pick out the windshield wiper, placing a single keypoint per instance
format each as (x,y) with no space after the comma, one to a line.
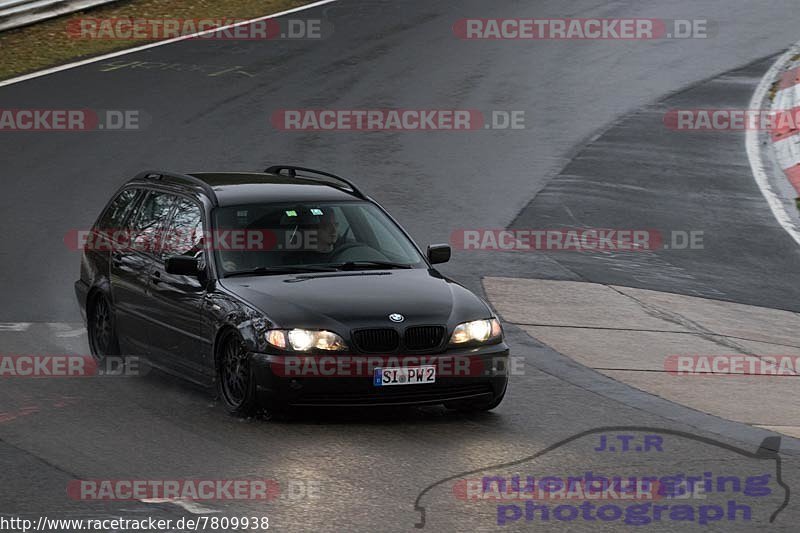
(359,265)
(266,271)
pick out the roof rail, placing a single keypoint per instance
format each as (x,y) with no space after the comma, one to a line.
(276,169)
(160,174)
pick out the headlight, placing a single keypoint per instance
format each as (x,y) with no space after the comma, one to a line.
(478,331)
(303,340)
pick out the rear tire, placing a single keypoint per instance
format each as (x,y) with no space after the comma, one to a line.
(235,383)
(101,328)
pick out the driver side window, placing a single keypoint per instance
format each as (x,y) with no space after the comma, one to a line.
(149,223)
(185,234)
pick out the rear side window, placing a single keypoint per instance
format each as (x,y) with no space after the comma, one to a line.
(150,219)
(119,208)
(185,235)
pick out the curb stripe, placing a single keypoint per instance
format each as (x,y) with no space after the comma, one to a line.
(786,139)
(790,78)
(787,150)
(785,98)
(758,165)
(788,123)
(793,174)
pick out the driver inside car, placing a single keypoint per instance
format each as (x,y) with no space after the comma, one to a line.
(310,238)
(315,238)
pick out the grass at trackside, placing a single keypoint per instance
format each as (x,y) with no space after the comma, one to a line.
(46,44)
(773,90)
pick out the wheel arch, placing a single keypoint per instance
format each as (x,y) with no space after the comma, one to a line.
(103,288)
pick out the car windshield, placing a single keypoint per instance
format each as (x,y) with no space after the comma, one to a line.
(284,238)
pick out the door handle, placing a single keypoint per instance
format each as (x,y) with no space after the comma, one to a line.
(116,258)
(156,277)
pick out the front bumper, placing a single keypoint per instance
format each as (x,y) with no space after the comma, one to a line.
(347,380)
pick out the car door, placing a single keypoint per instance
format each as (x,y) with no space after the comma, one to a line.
(179,339)
(132,264)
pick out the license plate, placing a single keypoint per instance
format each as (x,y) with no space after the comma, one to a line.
(412,375)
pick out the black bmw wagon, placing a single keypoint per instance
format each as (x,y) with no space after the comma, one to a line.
(284,288)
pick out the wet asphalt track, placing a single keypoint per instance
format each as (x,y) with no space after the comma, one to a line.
(372,466)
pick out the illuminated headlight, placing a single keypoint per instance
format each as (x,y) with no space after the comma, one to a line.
(477,331)
(303,340)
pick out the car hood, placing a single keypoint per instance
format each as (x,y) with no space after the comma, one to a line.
(341,301)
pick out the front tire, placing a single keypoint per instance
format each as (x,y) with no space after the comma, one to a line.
(235,382)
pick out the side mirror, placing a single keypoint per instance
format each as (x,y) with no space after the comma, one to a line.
(438,253)
(182,265)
